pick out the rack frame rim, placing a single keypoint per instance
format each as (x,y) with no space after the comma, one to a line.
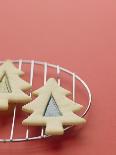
(59,68)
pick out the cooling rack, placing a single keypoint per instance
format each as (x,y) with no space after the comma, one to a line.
(58,69)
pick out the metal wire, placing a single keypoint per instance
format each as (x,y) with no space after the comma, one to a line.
(14,113)
(31,82)
(58,69)
(45,79)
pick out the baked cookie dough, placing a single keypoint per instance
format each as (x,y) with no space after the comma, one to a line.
(52,109)
(12,86)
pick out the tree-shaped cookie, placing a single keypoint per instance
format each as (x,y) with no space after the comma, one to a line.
(12,86)
(52,109)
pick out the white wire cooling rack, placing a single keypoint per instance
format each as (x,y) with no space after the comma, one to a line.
(46,66)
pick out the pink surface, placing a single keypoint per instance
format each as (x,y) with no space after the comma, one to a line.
(81,36)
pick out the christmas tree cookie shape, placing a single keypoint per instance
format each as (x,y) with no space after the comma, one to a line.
(12,86)
(41,117)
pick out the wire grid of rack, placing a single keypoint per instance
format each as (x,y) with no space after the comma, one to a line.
(58,69)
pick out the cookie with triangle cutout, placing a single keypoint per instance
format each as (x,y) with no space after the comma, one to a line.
(12,87)
(52,108)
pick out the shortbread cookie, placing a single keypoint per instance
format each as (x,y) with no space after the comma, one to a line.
(52,109)
(12,86)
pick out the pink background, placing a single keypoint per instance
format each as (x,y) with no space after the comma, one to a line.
(81,36)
